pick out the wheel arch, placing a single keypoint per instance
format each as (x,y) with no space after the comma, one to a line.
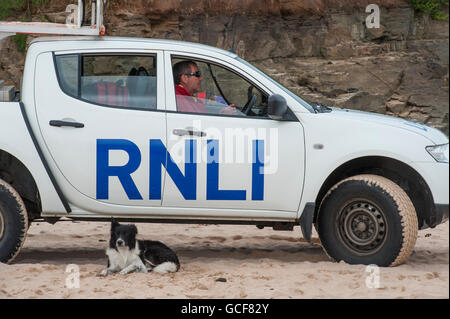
(15,173)
(402,174)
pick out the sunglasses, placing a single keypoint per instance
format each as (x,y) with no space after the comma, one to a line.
(196,74)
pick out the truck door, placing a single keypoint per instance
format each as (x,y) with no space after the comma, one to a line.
(97,114)
(222,157)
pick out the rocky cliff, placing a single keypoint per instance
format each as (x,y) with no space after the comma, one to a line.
(321,49)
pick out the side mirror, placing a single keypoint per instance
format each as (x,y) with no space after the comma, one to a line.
(277,107)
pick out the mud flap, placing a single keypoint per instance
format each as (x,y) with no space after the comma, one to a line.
(306,220)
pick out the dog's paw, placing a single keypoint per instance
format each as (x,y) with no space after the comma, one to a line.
(103,273)
(124,272)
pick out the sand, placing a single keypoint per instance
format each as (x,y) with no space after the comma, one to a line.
(217,262)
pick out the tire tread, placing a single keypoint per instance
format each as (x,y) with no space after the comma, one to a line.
(406,211)
(23,219)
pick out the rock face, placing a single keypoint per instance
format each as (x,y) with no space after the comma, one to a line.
(320,49)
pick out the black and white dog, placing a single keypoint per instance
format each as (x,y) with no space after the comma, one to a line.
(127,254)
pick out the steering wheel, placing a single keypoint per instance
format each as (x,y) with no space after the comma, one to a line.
(250,104)
(249,98)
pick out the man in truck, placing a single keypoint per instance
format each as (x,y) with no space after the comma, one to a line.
(188,79)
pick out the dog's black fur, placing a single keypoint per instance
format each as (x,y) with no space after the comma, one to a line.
(126,253)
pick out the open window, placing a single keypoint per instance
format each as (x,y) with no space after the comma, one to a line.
(219,88)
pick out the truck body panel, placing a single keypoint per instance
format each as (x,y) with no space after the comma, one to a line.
(20,145)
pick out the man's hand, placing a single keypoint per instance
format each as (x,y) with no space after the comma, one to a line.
(229,110)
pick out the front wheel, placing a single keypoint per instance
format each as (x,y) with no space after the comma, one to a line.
(367,219)
(13,222)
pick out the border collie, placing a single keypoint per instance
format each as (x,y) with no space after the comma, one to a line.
(127,254)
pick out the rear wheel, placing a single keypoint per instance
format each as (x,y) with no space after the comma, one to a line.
(13,222)
(367,219)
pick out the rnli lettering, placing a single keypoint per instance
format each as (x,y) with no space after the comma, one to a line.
(186,183)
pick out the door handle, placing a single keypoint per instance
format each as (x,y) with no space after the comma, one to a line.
(183,132)
(66,123)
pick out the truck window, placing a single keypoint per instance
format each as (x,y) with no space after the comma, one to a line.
(110,80)
(67,66)
(214,89)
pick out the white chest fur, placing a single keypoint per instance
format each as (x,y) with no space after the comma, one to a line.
(123,256)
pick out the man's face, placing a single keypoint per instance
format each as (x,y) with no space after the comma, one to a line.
(191,82)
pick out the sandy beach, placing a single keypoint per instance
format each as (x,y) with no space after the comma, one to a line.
(217,262)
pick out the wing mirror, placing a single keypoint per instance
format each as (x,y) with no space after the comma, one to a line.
(277,107)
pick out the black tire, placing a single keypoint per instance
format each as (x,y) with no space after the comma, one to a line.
(13,222)
(367,219)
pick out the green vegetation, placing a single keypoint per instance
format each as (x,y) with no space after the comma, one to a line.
(7,7)
(21,42)
(432,7)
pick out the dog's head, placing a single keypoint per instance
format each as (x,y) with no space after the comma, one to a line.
(122,236)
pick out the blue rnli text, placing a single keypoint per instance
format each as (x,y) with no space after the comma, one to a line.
(186,183)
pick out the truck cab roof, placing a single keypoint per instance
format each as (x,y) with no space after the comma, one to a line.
(61,42)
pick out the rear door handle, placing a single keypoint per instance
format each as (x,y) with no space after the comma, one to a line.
(66,123)
(183,132)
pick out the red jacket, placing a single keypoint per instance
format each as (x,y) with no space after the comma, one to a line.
(186,102)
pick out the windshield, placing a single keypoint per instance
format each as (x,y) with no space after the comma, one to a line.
(290,93)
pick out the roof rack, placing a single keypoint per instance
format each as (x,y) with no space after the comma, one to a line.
(74,27)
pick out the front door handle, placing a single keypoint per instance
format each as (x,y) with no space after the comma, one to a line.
(183,132)
(66,123)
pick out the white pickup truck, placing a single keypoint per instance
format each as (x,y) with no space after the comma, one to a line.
(101,131)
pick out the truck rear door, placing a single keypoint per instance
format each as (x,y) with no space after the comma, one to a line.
(97,113)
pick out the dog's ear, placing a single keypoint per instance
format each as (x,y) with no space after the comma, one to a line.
(134,229)
(114,224)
